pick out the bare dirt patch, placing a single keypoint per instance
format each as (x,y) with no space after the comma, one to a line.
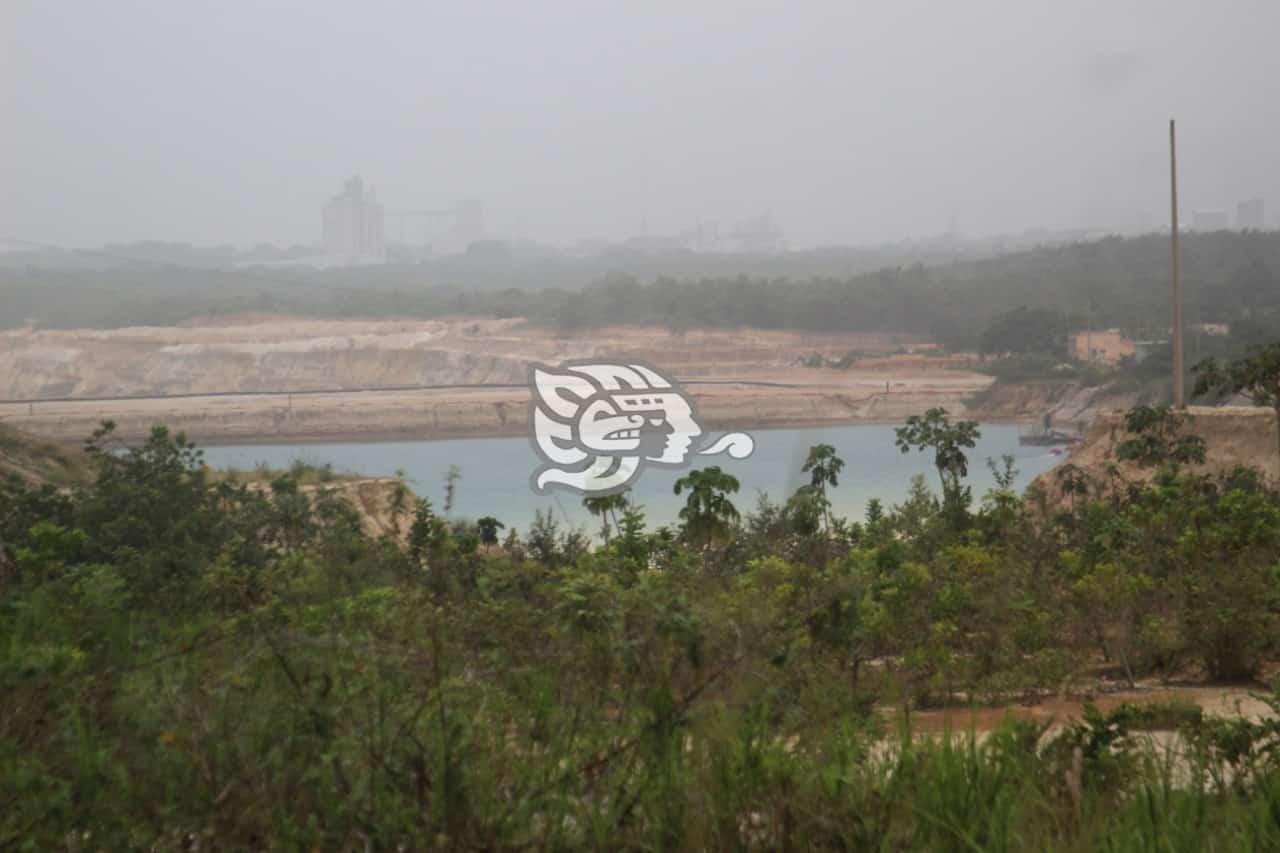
(228,370)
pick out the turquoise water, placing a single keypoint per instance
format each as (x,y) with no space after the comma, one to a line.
(495,471)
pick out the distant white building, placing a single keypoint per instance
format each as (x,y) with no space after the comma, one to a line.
(1251,215)
(353,223)
(1210,220)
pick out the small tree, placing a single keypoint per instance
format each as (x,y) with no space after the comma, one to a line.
(1074,482)
(543,539)
(398,502)
(428,535)
(632,541)
(805,511)
(824,468)
(1257,374)
(489,527)
(451,479)
(708,513)
(606,508)
(1157,438)
(150,510)
(934,430)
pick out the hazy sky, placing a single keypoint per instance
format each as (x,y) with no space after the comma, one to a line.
(851,122)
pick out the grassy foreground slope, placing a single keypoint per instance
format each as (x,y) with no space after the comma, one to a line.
(23,455)
(218,665)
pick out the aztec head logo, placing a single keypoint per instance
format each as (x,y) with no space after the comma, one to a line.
(596,425)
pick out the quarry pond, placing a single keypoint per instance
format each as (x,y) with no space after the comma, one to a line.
(495,471)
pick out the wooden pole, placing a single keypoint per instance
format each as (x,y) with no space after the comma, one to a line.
(1179,401)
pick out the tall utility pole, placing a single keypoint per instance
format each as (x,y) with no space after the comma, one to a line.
(1179,401)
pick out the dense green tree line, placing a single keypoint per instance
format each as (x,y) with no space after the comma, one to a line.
(188,661)
(1228,276)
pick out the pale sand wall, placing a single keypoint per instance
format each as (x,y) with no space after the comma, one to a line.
(456,414)
(1233,435)
(270,354)
(296,354)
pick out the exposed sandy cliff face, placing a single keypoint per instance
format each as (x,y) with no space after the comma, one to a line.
(739,377)
(412,415)
(258,354)
(255,356)
(1233,435)
(372,499)
(1071,406)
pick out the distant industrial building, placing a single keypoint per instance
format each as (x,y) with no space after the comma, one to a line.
(760,235)
(444,230)
(1210,220)
(1251,215)
(468,222)
(353,226)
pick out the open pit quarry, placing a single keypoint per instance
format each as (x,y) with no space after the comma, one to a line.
(267,379)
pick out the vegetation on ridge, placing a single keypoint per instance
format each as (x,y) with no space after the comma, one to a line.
(1227,277)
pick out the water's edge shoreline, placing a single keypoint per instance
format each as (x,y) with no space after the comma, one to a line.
(521,431)
(230,421)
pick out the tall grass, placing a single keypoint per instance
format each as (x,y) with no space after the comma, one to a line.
(343,735)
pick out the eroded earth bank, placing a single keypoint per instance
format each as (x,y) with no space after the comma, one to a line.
(265,378)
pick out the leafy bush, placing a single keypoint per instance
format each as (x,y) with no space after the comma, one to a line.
(192,663)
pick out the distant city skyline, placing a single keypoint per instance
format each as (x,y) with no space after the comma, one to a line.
(348,231)
(707,237)
(849,124)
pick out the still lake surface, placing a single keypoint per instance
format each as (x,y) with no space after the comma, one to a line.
(495,471)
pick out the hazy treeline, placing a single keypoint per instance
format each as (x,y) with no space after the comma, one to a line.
(497,263)
(1112,282)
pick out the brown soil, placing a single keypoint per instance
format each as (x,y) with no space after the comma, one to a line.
(1233,435)
(1070,407)
(1226,701)
(371,498)
(257,354)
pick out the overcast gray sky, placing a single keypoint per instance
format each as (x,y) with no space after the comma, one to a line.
(851,122)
